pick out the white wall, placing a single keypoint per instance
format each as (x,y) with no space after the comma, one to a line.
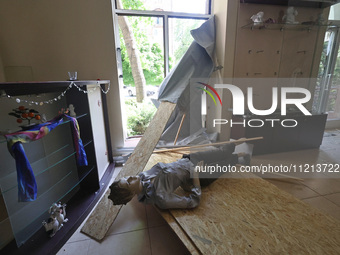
(2,74)
(44,39)
(334,13)
(226,13)
(54,37)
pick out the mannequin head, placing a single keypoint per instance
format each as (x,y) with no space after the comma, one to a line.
(123,190)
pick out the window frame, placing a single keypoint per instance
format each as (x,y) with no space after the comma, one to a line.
(165,15)
(326,81)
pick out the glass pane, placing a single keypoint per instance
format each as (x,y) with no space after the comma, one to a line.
(180,37)
(318,93)
(327,91)
(187,6)
(53,163)
(146,34)
(333,106)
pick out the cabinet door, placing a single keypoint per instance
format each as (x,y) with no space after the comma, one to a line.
(311,131)
(297,53)
(257,53)
(99,137)
(237,132)
(284,138)
(266,131)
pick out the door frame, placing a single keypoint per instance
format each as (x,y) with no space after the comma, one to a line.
(327,78)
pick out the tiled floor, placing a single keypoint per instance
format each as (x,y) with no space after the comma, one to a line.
(321,192)
(139,229)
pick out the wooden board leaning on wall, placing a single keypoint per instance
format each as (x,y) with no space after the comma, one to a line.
(105,212)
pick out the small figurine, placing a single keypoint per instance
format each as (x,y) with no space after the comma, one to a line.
(51,226)
(43,118)
(72,112)
(257,18)
(59,211)
(57,218)
(289,17)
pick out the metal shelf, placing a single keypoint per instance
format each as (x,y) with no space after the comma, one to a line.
(23,227)
(3,140)
(9,181)
(297,3)
(285,26)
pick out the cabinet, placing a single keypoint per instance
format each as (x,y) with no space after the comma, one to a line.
(277,55)
(53,160)
(307,134)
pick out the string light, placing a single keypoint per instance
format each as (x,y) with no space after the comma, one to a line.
(59,97)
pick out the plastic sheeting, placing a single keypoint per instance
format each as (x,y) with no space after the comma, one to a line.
(197,63)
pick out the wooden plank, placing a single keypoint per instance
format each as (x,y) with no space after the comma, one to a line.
(168,157)
(242,140)
(140,156)
(251,216)
(179,232)
(105,212)
(179,129)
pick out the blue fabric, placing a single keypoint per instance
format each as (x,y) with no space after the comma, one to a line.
(27,186)
(80,151)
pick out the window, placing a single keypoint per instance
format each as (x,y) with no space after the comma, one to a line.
(160,31)
(180,37)
(184,6)
(327,91)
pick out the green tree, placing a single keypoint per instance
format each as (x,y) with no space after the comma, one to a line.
(139,116)
(150,53)
(151,57)
(182,36)
(133,55)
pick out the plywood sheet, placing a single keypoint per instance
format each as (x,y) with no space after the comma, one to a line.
(168,157)
(251,216)
(101,218)
(179,232)
(140,156)
(105,212)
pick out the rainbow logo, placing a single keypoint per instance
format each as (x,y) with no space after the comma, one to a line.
(209,93)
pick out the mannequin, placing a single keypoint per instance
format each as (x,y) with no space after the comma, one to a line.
(157,186)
